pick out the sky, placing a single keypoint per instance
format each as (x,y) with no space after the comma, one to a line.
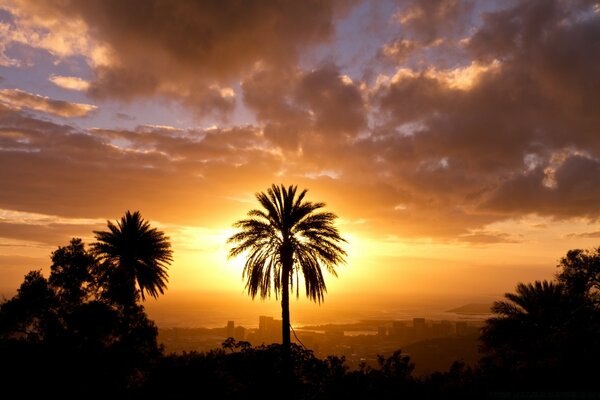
(457,141)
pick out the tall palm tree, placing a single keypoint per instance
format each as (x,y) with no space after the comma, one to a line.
(130,253)
(285,239)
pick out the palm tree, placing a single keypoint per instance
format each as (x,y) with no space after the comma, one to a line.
(542,335)
(536,301)
(285,239)
(528,323)
(132,252)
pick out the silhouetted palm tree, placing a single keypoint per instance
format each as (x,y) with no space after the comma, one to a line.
(132,252)
(285,239)
(542,336)
(536,301)
(527,323)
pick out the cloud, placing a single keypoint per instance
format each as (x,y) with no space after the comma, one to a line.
(171,175)
(510,130)
(429,20)
(592,235)
(484,237)
(20,99)
(575,192)
(488,136)
(186,50)
(317,107)
(69,82)
(32,25)
(46,234)
(398,50)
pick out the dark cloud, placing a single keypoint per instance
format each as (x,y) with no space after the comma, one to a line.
(553,43)
(484,137)
(191,50)
(316,107)
(574,191)
(334,100)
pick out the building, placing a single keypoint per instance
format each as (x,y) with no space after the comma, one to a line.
(239,333)
(264,323)
(230,329)
(269,329)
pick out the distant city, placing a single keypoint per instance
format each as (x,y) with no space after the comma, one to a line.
(430,343)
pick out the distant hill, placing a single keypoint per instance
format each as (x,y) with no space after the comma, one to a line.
(439,354)
(472,309)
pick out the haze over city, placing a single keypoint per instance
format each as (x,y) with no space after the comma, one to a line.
(455,140)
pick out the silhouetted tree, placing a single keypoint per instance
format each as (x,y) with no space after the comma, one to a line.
(239,371)
(72,273)
(581,275)
(542,337)
(285,239)
(31,314)
(533,311)
(132,252)
(66,333)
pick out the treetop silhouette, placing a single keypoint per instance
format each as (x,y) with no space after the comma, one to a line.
(131,252)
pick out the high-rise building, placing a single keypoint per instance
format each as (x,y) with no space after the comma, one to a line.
(269,329)
(239,333)
(264,323)
(275,330)
(399,329)
(230,329)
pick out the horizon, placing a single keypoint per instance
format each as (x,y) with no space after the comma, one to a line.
(212,309)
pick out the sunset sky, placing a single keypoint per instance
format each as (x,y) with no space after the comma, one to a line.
(457,141)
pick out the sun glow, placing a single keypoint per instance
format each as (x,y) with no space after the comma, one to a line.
(202,261)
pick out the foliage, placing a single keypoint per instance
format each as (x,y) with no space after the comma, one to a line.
(257,372)
(73,273)
(544,336)
(581,274)
(130,253)
(71,333)
(290,227)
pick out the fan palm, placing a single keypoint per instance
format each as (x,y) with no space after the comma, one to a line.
(131,252)
(535,310)
(283,240)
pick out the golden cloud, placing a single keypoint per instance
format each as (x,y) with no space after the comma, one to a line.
(69,82)
(20,99)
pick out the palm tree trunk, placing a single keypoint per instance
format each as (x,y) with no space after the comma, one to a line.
(285,308)
(285,326)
